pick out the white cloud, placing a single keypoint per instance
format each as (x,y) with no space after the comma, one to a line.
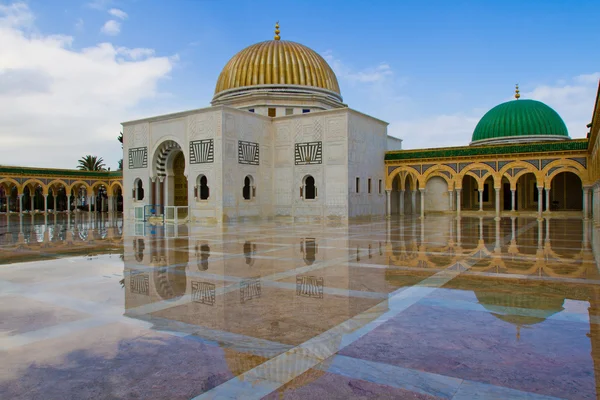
(111,27)
(115,12)
(58,103)
(99,4)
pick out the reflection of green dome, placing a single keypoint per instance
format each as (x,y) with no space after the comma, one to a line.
(520,120)
(495,302)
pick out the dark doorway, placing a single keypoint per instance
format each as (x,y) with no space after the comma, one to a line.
(507,196)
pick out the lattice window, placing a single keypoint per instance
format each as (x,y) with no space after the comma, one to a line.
(202,151)
(138,157)
(248,153)
(309,153)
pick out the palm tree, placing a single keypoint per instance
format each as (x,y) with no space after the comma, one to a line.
(91,163)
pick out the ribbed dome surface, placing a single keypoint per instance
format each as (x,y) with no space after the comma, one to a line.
(277,62)
(519,118)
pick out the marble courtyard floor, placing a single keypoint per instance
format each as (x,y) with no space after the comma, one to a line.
(94,307)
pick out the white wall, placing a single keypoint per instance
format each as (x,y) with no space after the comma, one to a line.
(367,143)
(436,195)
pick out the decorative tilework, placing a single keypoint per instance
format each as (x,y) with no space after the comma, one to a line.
(547,161)
(501,164)
(203,292)
(416,167)
(309,153)
(454,166)
(425,167)
(535,163)
(248,153)
(202,151)
(462,166)
(491,164)
(580,160)
(138,157)
(466,151)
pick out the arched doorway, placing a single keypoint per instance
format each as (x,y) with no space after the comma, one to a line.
(180,198)
(527,195)
(566,192)
(470,193)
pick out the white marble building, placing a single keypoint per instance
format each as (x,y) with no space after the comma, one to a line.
(277,141)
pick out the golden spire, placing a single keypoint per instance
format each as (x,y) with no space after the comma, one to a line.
(277,37)
(517,95)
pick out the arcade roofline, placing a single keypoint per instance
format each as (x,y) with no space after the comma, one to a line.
(474,151)
(28,171)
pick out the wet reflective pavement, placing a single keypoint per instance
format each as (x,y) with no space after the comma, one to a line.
(94,307)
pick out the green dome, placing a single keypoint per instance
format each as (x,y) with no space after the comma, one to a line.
(520,120)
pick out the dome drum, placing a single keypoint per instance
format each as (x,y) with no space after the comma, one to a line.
(279,94)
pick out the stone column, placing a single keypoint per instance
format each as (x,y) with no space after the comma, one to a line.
(388,204)
(55,205)
(111,205)
(20,196)
(413,201)
(69,202)
(102,208)
(540,201)
(450,200)
(480,200)
(402,202)
(586,201)
(31,201)
(422,190)
(8,204)
(512,199)
(458,202)
(45,203)
(89,201)
(548,199)
(497,190)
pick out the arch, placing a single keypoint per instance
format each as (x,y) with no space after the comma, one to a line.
(436,193)
(12,181)
(57,182)
(113,185)
(31,181)
(80,183)
(138,190)
(527,168)
(565,163)
(202,189)
(98,183)
(538,179)
(477,166)
(548,178)
(160,153)
(248,190)
(309,188)
(567,193)
(390,178)
(437,170)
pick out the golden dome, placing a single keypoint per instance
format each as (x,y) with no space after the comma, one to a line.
(277,62)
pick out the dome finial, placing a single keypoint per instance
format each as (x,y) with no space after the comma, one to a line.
(277,37)
(517,95)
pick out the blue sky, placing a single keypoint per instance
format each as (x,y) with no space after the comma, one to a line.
(430,68)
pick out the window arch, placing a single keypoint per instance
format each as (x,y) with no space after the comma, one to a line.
(202,191)
(138,190)
(308,189)
(248,191)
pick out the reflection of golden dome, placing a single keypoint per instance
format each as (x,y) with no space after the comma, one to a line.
(277,62)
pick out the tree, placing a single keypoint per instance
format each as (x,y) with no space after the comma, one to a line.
(120,139)
(91,163)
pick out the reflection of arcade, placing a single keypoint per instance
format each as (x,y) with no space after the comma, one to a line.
(34,237)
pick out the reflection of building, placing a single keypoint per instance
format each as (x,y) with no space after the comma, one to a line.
(35,237)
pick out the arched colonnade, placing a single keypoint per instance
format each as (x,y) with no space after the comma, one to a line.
(59,195)
(560,185)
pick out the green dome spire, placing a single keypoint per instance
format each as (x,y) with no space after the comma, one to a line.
(520,120)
